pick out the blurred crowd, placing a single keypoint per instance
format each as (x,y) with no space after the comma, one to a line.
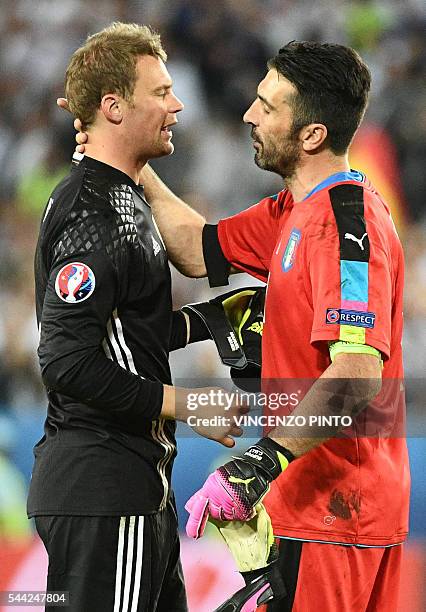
(217,54)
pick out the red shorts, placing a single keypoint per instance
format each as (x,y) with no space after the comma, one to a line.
(335,578)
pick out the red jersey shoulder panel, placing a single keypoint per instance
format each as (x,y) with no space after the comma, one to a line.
(248,238)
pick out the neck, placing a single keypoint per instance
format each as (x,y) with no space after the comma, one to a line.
(105,148)
(313,171)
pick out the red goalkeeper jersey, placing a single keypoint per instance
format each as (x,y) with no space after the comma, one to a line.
(334,267)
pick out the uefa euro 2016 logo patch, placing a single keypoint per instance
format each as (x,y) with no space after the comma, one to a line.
(358,318)
(75,282)
(290,250)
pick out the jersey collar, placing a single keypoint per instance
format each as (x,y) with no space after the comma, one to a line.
(338,177)
(113,174)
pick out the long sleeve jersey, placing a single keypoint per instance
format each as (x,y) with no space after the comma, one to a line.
(104,310)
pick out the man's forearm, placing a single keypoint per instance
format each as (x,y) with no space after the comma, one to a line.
(344,389)
(175,401)
(181,226)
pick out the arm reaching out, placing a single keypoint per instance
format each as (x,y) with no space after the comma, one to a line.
(180,225)
(226,409)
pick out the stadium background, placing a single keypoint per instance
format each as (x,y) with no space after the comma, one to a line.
(217,51)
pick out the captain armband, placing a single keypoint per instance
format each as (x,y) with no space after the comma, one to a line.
(341,346)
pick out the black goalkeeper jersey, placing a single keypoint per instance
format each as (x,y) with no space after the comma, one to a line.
(104,309)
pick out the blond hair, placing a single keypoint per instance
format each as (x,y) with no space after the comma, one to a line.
(106,63)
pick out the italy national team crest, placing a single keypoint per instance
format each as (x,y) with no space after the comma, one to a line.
(75,282)
(290,250)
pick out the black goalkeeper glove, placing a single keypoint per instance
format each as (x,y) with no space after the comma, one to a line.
(250,332)
(234,320)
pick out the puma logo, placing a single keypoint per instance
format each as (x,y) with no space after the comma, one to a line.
(355,239)
(245,482)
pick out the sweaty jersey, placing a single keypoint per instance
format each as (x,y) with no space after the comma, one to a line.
(334,267)
(103,300)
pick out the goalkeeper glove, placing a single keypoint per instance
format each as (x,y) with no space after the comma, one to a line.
(233,490)
(250,332)
(234,321)
(253,547)
(251,542)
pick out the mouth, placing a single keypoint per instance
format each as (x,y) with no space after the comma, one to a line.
(256,142)
(166,129)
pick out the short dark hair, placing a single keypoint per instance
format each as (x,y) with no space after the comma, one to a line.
(332,83)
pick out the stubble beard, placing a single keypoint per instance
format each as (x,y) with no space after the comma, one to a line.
(161,149)
(282,159)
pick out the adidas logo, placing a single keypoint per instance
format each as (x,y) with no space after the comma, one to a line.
(155,246)
(256,327)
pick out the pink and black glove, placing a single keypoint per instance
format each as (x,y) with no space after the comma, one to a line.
(233,490)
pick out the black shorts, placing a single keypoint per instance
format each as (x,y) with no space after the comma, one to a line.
(115,564)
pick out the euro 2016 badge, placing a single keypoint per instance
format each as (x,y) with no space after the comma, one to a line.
(290,250)
(75,282)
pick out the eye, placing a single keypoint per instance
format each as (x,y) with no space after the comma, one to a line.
(163,93)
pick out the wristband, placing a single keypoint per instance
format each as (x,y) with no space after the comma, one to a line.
(269,456)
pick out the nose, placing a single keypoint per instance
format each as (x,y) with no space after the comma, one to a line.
(250,115)
(176,104)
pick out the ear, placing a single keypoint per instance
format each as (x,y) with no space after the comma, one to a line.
(312,136)
(111,107)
